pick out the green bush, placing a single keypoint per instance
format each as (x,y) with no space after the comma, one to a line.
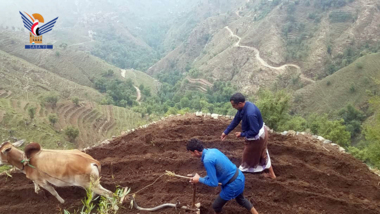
(51,99)
(359,65)
(75,101)
(72,133)
(274,107)
(32,112)
(53,118)
(334,130)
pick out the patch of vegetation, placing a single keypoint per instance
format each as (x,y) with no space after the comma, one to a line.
(72,133)
(121,51)
(16,125)
(340,16)
(353,119)
(263,8)
(368,149)
(105,206)
(50,99)
(119,93)
(350,55)
(295,35)
(175,97)
(327,4)
(275,107)
(53,119)
(75,101)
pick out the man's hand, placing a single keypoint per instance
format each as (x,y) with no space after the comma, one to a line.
(238,134)
(195,179)
(223,136)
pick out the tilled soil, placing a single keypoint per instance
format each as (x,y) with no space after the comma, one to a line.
(312,178)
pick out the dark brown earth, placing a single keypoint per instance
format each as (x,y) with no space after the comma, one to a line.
(311,180)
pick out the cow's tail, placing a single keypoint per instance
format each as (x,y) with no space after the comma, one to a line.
(95,170)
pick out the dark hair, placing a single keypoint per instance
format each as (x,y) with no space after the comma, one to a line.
(194,144)
(237,98)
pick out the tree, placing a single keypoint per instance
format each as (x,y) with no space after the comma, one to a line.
(352,119)
(100,85)
(296,123)
(185,102)
(172,110)
(53,118)
(51,99)
(334,130)
(72,133)
(32,112)
(108,73)
(274,107)
(372,134)
(146,92)
(76,101)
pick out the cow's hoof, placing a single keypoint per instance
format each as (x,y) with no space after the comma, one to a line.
(62,201)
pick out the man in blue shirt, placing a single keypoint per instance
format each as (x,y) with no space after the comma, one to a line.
(220,171)
(255,156)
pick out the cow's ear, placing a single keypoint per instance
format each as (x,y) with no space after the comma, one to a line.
(5,151)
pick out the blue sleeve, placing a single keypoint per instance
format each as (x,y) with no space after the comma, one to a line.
(254,126)
(210,179)
(233,124)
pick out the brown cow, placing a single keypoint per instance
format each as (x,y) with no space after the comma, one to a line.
(58,167)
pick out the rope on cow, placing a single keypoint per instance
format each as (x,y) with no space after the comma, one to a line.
(26,162)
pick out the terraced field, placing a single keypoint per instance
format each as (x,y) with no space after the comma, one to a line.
(199,84)
(312,177)
(95,122)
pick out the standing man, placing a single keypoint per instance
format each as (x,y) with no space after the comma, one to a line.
(255,156)
(220,170)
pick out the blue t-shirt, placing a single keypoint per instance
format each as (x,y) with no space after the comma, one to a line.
(251,118)
(220,170)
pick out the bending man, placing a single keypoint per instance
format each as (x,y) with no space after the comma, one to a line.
(255,156)
(220,170)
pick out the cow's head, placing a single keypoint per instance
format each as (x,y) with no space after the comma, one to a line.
(5,148)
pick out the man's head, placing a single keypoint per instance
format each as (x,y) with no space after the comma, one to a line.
(237,101)
(195,147)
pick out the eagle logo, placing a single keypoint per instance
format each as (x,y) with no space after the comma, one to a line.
(33,25)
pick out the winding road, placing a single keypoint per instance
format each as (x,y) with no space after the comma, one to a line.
(264,63)
(123,72)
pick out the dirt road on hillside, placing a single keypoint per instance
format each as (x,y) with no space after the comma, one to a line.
(123,72)
(263,62)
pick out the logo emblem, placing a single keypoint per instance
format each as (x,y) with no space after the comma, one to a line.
(36,31)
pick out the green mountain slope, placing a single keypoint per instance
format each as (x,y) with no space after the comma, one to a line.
(349,85)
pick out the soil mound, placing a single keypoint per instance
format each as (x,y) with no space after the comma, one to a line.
(311,179)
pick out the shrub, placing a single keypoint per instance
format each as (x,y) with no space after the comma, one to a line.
(76,101)
(32,112)
(53,118)
(359,65)
(51,99)
(72,133)
(352,88)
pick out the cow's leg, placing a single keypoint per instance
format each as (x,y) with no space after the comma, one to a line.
(36,187)
(102,191)
(50,188)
